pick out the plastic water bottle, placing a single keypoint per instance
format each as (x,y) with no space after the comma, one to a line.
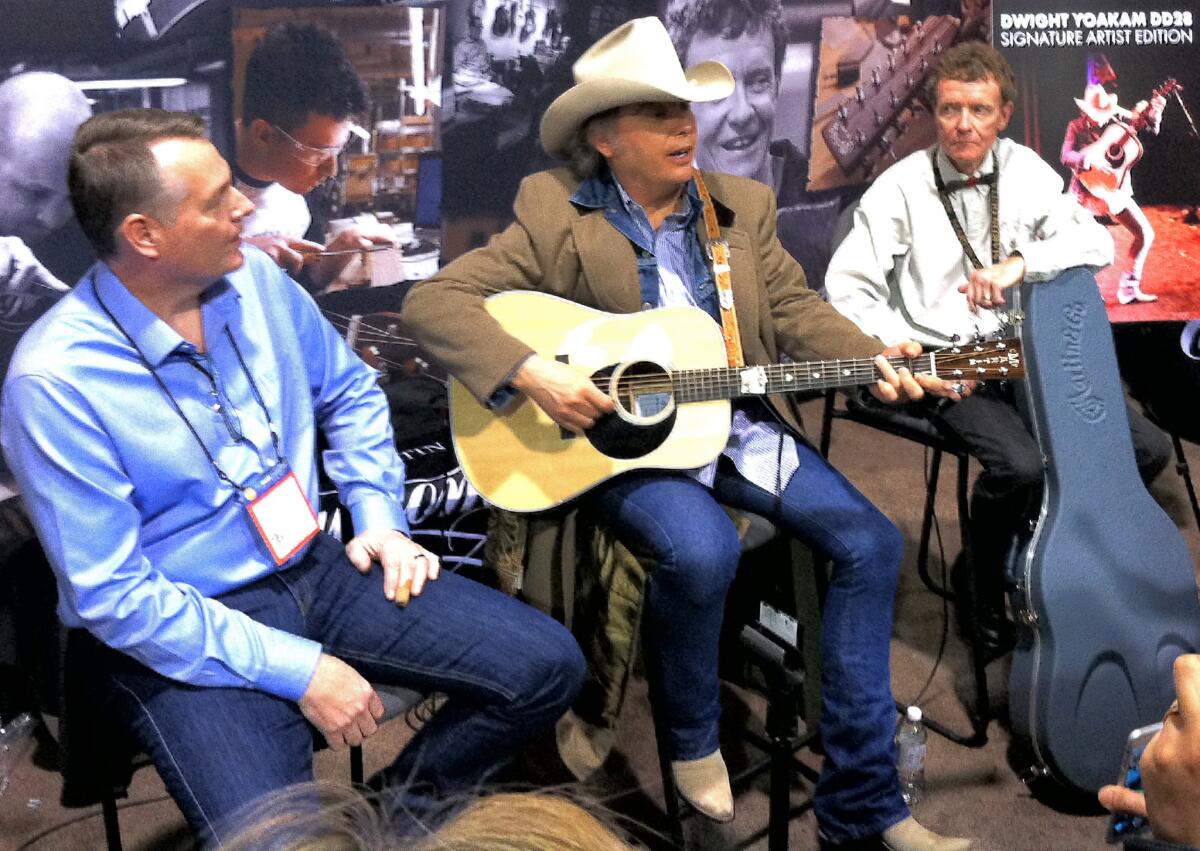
(911,739)
(15,738)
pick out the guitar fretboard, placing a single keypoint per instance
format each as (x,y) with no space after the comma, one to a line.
(701,385)
(704,385)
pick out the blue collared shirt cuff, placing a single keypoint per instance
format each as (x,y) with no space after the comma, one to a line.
(505,393)
(291,663)
(378,512)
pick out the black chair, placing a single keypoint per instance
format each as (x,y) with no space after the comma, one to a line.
(96,760)
(99,760)
(910,426)
(1159,366)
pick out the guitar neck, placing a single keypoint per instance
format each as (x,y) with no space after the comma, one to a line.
(703,385)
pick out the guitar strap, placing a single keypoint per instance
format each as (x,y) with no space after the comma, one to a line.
(718,254)
(993,180)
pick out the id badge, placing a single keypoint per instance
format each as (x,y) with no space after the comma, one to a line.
(281,514)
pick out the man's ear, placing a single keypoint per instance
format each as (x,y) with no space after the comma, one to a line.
(261,130)
(601,138)
(140,232)
(1006,112)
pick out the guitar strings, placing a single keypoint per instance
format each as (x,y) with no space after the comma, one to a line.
(693,384)
(821,374)
(373,334)
(342,322)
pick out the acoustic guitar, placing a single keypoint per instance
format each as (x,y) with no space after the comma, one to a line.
(1108,160)
(666,371)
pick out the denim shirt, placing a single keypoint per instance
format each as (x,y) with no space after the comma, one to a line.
(673,271)
(673,252)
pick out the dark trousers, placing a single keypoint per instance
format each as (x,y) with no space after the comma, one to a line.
(1009,486)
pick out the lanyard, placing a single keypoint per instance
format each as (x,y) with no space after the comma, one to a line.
(718,252)
(993,207)
(235,432)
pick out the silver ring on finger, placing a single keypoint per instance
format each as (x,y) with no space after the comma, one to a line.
(958,387)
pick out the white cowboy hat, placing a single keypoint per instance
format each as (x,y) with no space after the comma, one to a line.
(634,63)
(1097,104)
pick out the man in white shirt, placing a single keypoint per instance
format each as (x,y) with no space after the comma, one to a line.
(301,92)
(934,245)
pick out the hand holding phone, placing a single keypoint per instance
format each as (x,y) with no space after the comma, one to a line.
(1124,824)
(1169,767)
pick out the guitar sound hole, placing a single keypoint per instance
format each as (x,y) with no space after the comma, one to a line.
(643,395)
(643,390)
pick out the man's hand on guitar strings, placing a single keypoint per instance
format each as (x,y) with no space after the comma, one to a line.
(902,385)
(568,397)
(407,566)
(985,287)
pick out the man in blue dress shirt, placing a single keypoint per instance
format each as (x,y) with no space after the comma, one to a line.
(161,421)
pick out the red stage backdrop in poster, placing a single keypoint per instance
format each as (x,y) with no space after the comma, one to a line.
(1108,93)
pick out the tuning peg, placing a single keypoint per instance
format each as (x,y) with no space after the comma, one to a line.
(843,113)
(893,99)
(859,95)
(891,60)
(875,80)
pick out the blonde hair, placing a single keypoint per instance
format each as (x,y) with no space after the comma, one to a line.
(528,821)
(323,816)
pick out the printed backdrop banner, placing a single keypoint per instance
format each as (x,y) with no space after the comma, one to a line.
(1090,78)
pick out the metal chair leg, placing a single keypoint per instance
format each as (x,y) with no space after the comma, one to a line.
(935,467)
(662,740)
(981,714)
(1181,467)
(112,825)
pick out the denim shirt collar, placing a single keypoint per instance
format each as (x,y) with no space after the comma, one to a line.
(154,338)
(604,191)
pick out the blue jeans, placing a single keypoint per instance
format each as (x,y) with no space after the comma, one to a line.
(679,524)
(509,671)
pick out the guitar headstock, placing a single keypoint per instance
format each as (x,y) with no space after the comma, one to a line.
(1169,85)
(990,359)
(870,119)
(863,122)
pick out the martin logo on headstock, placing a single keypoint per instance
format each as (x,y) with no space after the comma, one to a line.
(869,121)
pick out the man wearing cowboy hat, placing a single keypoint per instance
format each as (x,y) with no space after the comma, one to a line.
(622,229)
(945,232)
(1098,108)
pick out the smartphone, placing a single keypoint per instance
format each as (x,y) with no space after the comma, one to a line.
(1121,826)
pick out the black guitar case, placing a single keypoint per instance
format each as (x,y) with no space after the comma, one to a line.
(1105,590)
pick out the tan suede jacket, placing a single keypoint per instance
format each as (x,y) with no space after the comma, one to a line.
(573,252)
